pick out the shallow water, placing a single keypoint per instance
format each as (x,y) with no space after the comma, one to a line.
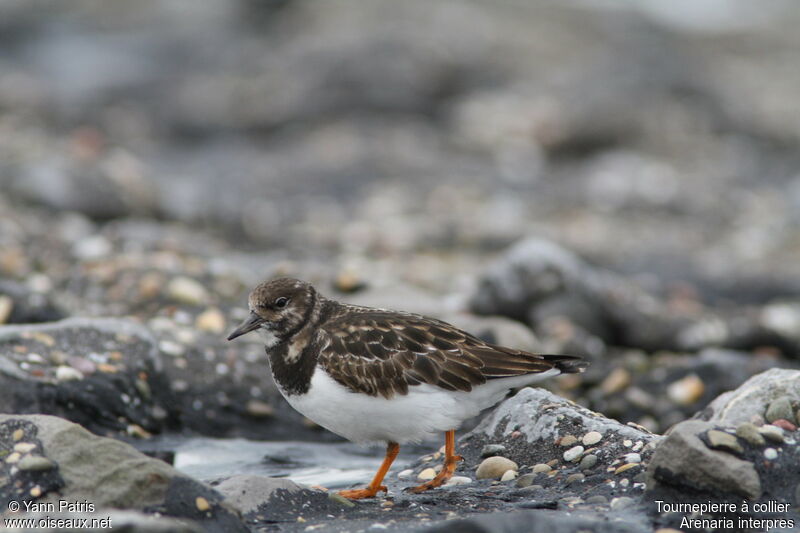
(332,465)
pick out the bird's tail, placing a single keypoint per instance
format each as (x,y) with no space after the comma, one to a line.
(567,364)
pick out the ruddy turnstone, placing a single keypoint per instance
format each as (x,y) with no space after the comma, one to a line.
(376,375)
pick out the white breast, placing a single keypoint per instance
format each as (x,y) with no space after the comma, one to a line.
(425,412)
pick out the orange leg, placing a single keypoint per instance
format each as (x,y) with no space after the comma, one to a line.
(450,462)
(375,486)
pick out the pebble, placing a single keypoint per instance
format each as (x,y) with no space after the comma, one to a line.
(540,467)
(492,449)
(720,440)
(771,453)
(495,467)
(187,291)
(573,453)
(621,502)
(597,499)
(772,433)
(67,373)
(632,458)
(593,437)
(24,447)
(405,474)
(36,491)
(784,424)
(627,443)
(567,440)
(588,461)
(749,433)
(35,463)
(625,467)
(427,474)
(259,409)
(338,498)
(617,380)
(687,390)
(6,306)
(17,435)
(459,480)
(211,320)
(171,348)
(508,475)
(780,408)
(574,477)
(525,480)
(202,504)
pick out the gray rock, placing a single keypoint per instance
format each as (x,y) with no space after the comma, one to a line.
(526,480)
(247,492)
(753,397)
(492,449)
(35,463)
(780,408)
(588,461)
(106,472)
(682,459)
(720,440)
(749,432)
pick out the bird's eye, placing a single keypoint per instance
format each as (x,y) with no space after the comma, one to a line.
(281,302)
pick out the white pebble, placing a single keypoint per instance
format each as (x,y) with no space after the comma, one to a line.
(67,373)
(186,290)
(593,437)
(24,447)
(509,475)
(405,474)
(573,453)
(171,348)
(632,458)
(459,480)
(427,474)
(771,453)
(627,443)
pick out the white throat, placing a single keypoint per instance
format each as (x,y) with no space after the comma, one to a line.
(270,340)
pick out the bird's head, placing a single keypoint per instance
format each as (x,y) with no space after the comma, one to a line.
(278,309)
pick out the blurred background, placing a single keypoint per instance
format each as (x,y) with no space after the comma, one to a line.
(612,178)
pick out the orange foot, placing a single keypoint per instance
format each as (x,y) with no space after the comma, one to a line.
(360,494)
(442,477)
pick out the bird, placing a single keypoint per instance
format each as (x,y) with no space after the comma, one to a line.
(376,375)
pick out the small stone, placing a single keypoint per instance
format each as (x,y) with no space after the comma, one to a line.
(625,467)
(6,306)
(186,290)
(17,435)
(35,463)
(552,463)
(780,408)
(171,348)
(338,498)
(591,438)
(588,461)
(572,478)
(259,409)
(427,474)
(135,430)
(632,458)
(13,457)
(784,424)
(771,433)
(720,440)
(67,373)
(508,475)
(438,468)
(749,433)
(597,499)
(495,467)
(541,467)
(567,440)
(771,453)
(525,480)
(621,502)
(211,320)
(617,380)
(202,504)
(573,453)
(687,390)
(24,447)
(405,474)
(491,450)
(459,480)
(36,491)
(627,443)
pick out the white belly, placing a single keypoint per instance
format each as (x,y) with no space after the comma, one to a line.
(424,412)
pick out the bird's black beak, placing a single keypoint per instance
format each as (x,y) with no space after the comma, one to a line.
(252,322)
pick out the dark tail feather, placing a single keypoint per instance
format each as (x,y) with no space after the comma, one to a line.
(567,364)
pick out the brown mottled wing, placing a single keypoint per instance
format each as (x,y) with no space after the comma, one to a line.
(383,353)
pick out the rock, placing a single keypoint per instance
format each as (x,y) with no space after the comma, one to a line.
(541,468)
(492,449)
(687,390)
(525,480)
(427,474)
(106,472)
(573,454)
(753,397)
(784,424)
(567,440)
(247,493)
(572,478)
(632,458)
(749,432)
(211,320)
(35,463)
(187,291)
(508,475)
(683,460)
(458,480)
(588,461)
(780,408)
(123,385)
(720,440)
(592,438)
(771,453)
(616,381)
(495,467)
(771,433)
(405,474)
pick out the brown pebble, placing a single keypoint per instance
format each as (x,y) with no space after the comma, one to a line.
(784,424)
(17,435)
(36,491)
(202,504)
(626,466)
(259,409)
(617,380)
